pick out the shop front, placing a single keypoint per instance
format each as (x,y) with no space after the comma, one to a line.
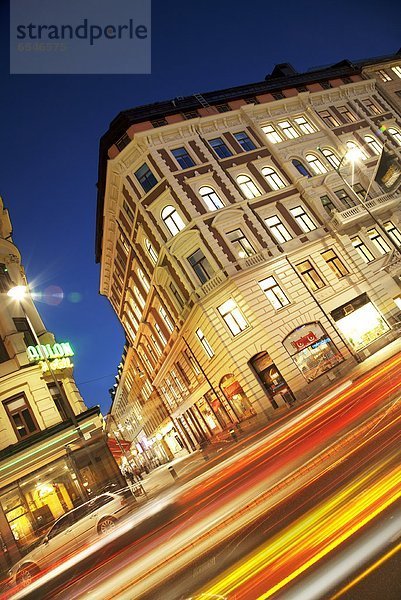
(360,322)
(271,380)
(236,397)
(312,350)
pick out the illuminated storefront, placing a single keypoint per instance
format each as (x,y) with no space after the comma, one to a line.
(236,397)
(360,322)
(312,350)
(271,379)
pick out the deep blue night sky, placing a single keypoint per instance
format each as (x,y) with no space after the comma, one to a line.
(51,125)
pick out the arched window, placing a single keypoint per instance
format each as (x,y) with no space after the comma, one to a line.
(373,144)
(139,297)
(315,164)
(272,178)
(211,198)
(301,168)
(248,187)
(144,280)
(152,252)
(357,152)
(172,220)
(331,157)
(395,134)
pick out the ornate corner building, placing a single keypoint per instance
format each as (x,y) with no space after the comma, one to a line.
(250,260)
(53,453)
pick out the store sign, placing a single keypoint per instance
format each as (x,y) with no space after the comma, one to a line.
(304,341)
(57,355)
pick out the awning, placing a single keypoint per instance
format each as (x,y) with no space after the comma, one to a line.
(118,448)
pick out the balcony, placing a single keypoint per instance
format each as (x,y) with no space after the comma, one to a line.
(376,206)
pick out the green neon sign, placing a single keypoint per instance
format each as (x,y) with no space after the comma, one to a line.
(56,355)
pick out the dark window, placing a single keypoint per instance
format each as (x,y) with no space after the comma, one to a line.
(347,80)
(177,295)
(128,211)
(327,204)
(5,279)
(220,148)
(345,198)
(191,114)
(146,178)
(311,276)
(360,191)
(326,85)
(182,157)
(3,352)
(335,264)
(21,416)
(123,141)
(59,400)
(301,168)
(278,95)
(22,325)
(251,100)
(302,88)
(201,266)
(159,122)
(223,107)
(244,141)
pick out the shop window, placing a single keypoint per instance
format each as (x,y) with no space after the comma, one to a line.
(172,220)
(335,264)
(312,350)
(240,242)
(146,178)
(183,158)
(233,317)
(211,198)
(278,229)
(201,266)
(236,397)
(303,219)
(393,232)
(274,293)
(272,134)
(378,241)
(21,416)
(360,322)
(271,379)
(22,325)
(206,346)
(362,249)
(310,275)
(248,187)
(273,179)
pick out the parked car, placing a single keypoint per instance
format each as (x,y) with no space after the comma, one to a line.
(69,533)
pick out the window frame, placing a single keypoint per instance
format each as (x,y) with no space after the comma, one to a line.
(204,342)
(273,136)
(233,317)
(276,230)
(173,220)
(305,126)
(271,294)
(245,141)
(305,222)
(331,158)
(151,250)
(311,275)
(329,119)
(148,177)
(335,263)
(362,249)
(390,230)
(184,159)
(199,262)
(239,240)
(396,135)
(273,178)
(220,148)
(248,185)
(378,241)
(11,413)
(373,144)
(348,115)
(207,197)
(289,131)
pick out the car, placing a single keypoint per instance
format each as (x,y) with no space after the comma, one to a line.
(69,533)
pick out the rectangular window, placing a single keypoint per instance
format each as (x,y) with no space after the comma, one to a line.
(278,95)
(201,266)
(278,229)
(206,346)
(59,400)
(190,114)
(192,361)
(372,107)
(362,249)
(397,71)
(393,232)
(272,134)
(160,334)
(274,293)
(311,276)
(128,211)
(178,381)
(327,204)
(183,158)
(5,279)
(347,114)
(328,118)
(177,295)
(124,243)
(21,324)
(146,178)
(335,263)
(166,319)
(288,130)
(156,345)
(233,317)
(305,126)
(384,76)
(223,108)
(345,199)
(220,148)
(244,141)
(378,241)
(303,219)
(159,122)
(21,416)
(360,191)
(241,243)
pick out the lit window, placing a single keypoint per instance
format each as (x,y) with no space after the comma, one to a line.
(315,164)
(397,71)
(160,334)
(21,417)
(301,168)
(288,130)
(328,118)
(124,243)
(244,141)
(201,266)
(272,178)
(156,345)
(272,134)
(303,219)
(248,188)
(151,251)
(331,157)
(183,158)
(206,346)
(372,106)
(274,293)
(362,249)
(233,317)
(241,243)
(178,381)
(278,229)
(373,144)
(335,264)
(211,198)
(146,178)
(384,76)
(358,152)
(220,148)
(304,125)
(136,309)
(172,220)
(378,241)
(311,276)
(347,114)
(393,232)
(139,297)
(166,319)
(144,280)
(395,134)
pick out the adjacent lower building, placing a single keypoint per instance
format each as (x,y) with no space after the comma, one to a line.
(247,244)
(53,453)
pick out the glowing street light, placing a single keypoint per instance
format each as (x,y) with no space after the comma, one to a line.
(18,292)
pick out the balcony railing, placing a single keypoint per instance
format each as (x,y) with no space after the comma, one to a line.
(348,217)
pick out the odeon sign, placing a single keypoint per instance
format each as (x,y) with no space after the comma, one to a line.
(57,356)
